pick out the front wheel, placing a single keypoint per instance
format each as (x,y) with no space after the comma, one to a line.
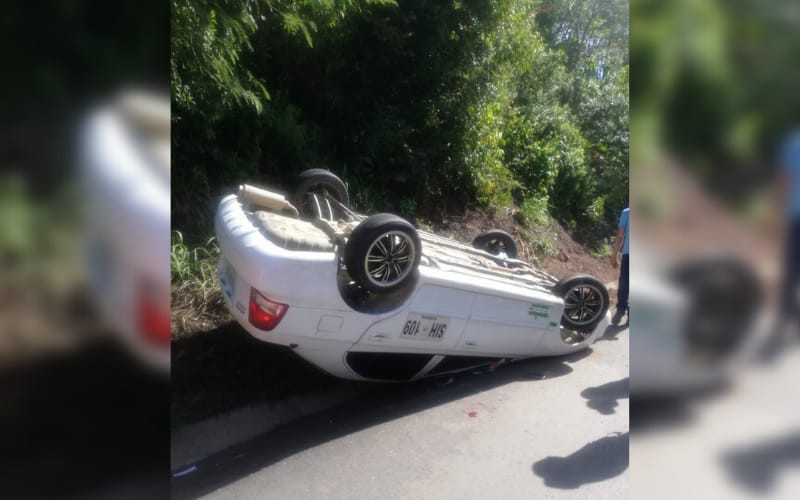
(383,253)
(495,242)
(586,301)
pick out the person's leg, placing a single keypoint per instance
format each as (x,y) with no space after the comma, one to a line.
(622,290)
(622,293)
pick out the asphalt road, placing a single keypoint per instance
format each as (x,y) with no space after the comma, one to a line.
(739,441)
(540,428)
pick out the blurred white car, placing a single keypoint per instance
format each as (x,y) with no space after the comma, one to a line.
(372,298)
(125,172)
(693,322)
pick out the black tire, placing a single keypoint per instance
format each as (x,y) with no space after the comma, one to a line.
(495,241)
(724,298)
(586,302)
(371,241)
(318,181)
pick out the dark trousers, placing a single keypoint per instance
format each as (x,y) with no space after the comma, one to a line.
(622,290)
(791,278)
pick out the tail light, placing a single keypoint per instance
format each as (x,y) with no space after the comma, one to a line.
(153,315)
(265,314)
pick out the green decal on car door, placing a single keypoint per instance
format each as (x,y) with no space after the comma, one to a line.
(538,311)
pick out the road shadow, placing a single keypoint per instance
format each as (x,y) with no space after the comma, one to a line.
(603,398)
(225,368)
(649,414)
(377,404)
(612,331)
(594,462)
(756,468)
(86,420)
(654,412)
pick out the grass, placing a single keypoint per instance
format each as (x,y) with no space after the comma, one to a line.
(601,251)
(197,302)
(535,227)
(543,241)
(193,266)
(535,211)
(547,244)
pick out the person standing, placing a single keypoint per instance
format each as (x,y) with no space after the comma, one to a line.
(789,196)
(622,242)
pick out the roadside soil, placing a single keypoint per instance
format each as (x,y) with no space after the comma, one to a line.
(566,257)
(195,312)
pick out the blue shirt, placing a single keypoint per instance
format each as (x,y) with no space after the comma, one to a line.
(625,223)
(790,164)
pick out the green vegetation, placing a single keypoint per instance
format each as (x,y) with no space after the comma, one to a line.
(602,251)
(187,264)
(535,210)
(422,108)
(196,296)
(38,235)
(543,240)
(715,88)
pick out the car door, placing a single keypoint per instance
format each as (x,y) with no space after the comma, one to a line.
(432,322)
(509,325)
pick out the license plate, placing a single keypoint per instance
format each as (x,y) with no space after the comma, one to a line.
(227,279)
(425,327)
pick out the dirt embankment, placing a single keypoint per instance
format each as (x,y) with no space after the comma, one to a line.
(551,247)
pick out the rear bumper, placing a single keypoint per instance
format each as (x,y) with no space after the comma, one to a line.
(287,276)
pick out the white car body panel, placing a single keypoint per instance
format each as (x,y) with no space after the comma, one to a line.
(127,214)
(662,361)
(484,317)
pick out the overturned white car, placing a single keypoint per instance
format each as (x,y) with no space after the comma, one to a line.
(372,298)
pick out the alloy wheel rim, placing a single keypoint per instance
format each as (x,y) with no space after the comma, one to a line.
(389,258)
(583,304)
(496,246)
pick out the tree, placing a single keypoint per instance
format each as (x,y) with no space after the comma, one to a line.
(421,107)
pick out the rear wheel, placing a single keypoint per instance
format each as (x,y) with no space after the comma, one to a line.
(496,242)
(314,185)
(383,253)
(586,302)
